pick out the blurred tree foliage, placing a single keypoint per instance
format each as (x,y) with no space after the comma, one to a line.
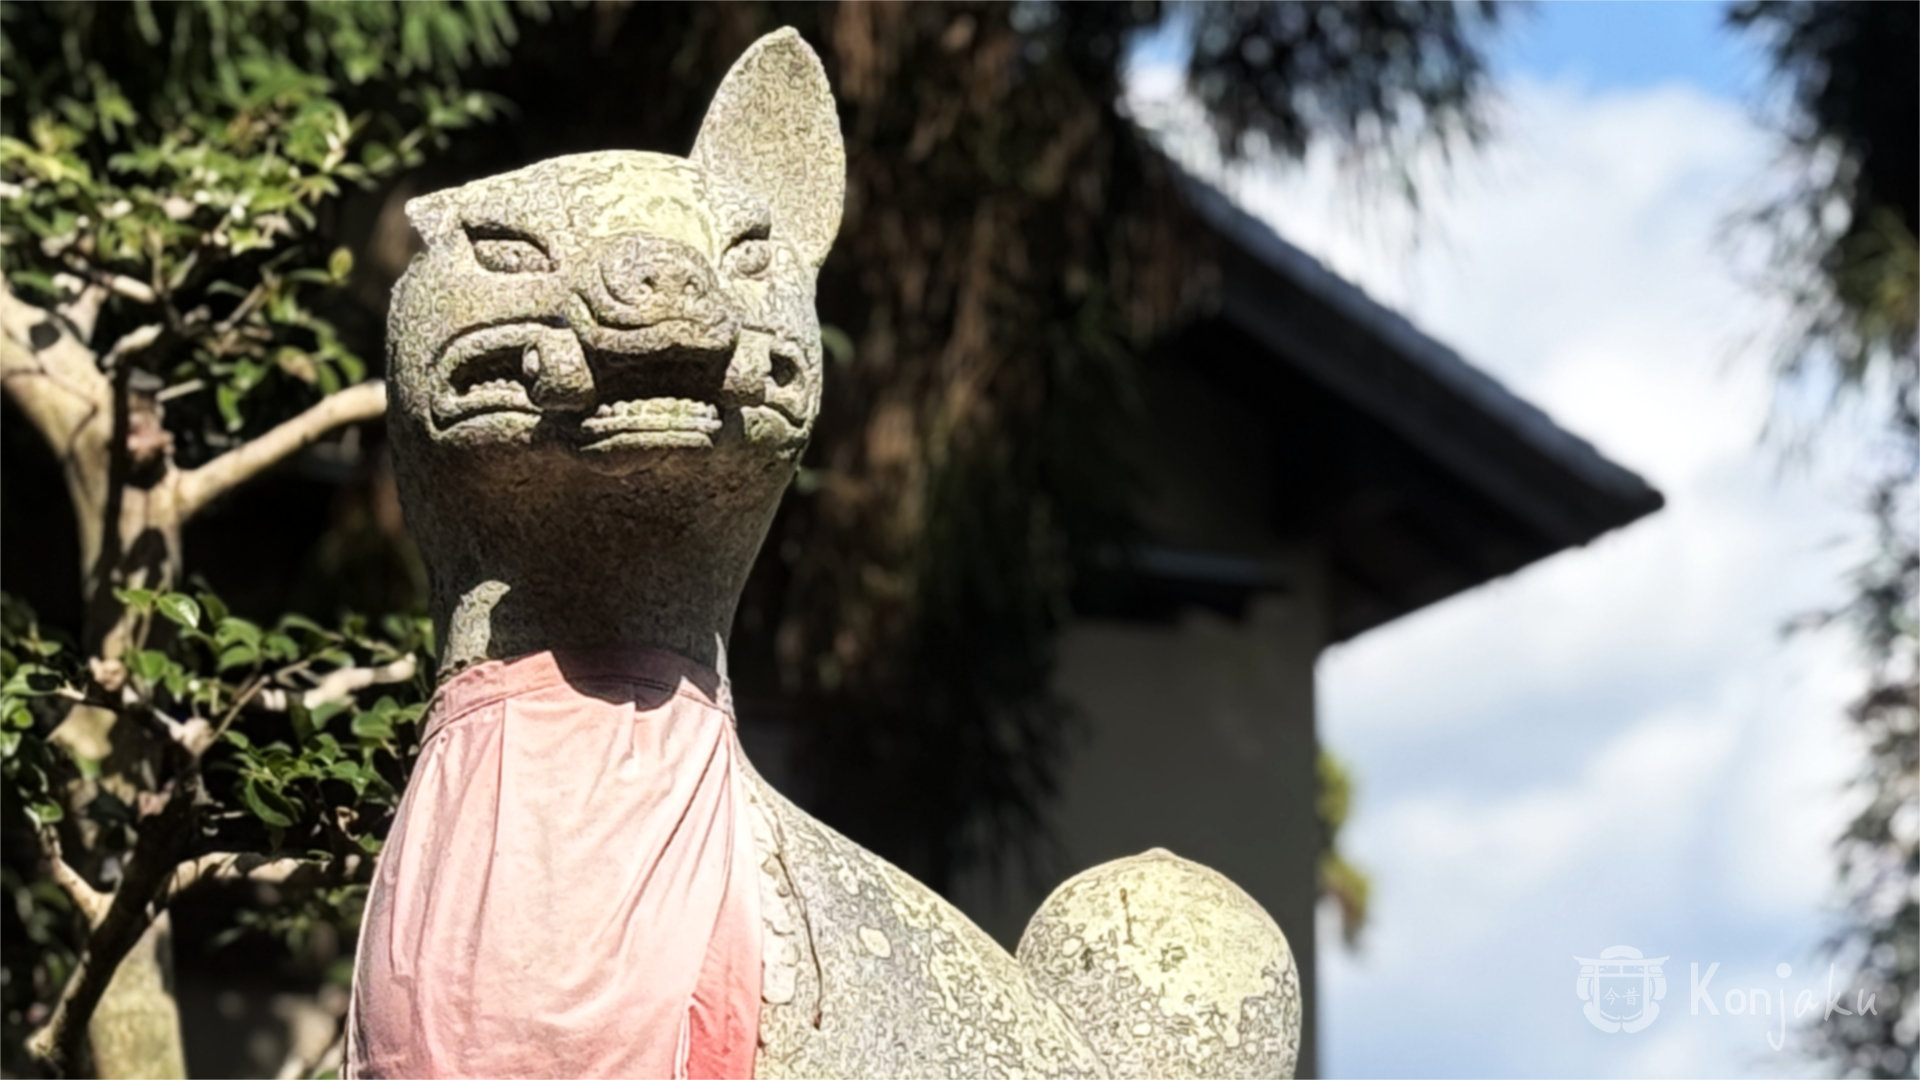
(168,178)
(1843,232)
(1342,883)
(200,221)
(1389,81)
(1844,257)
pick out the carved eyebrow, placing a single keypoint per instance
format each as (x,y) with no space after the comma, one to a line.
(747,219)
(505,250)
(495,230)
(755,229)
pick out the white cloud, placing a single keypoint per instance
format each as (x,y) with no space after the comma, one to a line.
(1615,746)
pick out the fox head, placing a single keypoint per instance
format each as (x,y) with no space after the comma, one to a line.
(626,308)
(620,348)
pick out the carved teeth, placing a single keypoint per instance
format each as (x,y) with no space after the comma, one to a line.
(657,414)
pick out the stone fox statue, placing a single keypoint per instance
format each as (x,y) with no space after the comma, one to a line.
(604,368)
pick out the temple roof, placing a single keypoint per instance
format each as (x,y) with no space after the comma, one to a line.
(1413,473)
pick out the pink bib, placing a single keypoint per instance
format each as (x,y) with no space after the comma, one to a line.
(570,888)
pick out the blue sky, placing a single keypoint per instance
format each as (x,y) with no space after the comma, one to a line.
(1607,45)
(1614,747)
(1599,44)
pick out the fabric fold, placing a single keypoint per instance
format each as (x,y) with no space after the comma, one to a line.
(569,888)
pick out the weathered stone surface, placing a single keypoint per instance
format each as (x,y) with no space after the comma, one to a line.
(605,367)
(1169,970)
(889,979)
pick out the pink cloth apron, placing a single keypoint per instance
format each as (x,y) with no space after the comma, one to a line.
(570,888)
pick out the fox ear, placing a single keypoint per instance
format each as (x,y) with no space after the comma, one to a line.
(428,215)
(773,131)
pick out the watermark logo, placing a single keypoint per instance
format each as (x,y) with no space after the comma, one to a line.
(1772,1001)
(1622,988)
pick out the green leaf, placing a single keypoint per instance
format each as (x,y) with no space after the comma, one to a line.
(233,630)
(137,599)
(301,622)
(373,725)
(302,723)
(179,609)
(150,665)
(35,279)
(228,400)
(241,655)
(46,813)
(340,264)
(352,773)
(215,607)
(268,805)
(32,680)
(248,373)
(143,18)
(279,646)
(836,343)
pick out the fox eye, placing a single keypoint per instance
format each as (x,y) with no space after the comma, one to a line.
(504,252)
(749,258)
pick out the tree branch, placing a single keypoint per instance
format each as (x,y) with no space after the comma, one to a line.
(137,291)
(193,736)
(132,342)
(118,284)
(83,311)
(60,1043)
(52,375)
(91,901)
(242,866)
(338,684)
(56,380)
(198,487)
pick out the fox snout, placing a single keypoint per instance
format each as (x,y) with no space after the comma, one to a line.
(641,293)
(645,280)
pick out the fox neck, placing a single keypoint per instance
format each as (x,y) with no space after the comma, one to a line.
(553,574)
